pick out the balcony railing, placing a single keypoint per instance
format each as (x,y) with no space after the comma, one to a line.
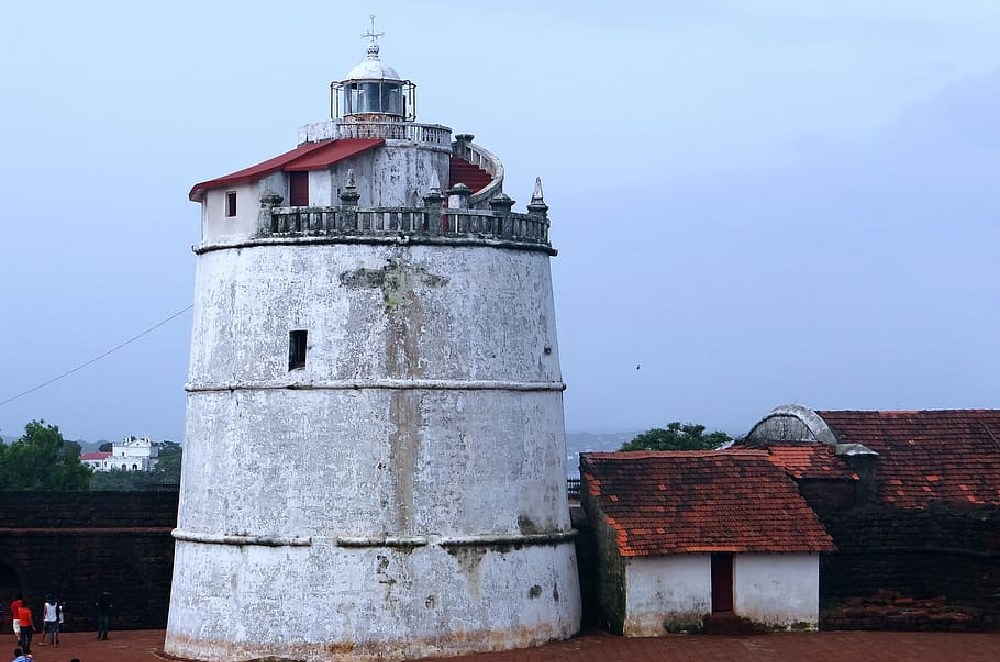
(403,221)
(425,134)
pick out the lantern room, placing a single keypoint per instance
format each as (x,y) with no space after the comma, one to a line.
(373,91)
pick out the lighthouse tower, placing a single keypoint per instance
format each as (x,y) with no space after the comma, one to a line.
(374,460)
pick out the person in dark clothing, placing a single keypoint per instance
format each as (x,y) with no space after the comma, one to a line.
(104,606)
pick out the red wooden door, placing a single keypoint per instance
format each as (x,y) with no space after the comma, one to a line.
(298,189)
(722,582)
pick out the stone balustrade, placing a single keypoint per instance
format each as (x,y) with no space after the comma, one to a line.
(428,135)
(412,222)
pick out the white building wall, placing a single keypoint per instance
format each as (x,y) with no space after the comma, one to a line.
(217,227)
(667,589)
(777,590)
(669,594)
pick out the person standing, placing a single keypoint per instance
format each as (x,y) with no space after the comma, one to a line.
(50,621)
(104,606)
(27,626)
(15,621)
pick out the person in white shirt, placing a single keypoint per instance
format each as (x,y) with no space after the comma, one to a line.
(50,621)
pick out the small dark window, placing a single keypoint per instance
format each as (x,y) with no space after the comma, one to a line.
(297,349)
(298,189)
(230,203)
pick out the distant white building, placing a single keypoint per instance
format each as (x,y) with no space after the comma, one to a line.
(96,460)
(131,454)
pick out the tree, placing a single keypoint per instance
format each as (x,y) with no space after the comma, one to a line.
(120,480)
(677,437)
(106,447)
(41,459)
(168,464)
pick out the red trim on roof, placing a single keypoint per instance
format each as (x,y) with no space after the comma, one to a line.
(332,152)
(95,455)
(308,156)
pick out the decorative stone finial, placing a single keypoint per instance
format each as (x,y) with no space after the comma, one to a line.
(270,199)
(537,206)
(501,203)
(536,195)
(349,197)
(433,198)
(458,196)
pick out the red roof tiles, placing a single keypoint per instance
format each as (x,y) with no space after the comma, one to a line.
(307,156)
(811,461)
(734,500)
(928,456)
(95,455)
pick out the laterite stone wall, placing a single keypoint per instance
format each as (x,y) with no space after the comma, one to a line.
(936,568)
(77,544)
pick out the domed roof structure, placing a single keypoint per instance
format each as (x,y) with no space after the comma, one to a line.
(372,67)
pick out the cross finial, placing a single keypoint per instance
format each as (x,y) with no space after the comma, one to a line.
(371,34)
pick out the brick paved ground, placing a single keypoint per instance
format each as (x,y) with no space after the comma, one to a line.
(142,645)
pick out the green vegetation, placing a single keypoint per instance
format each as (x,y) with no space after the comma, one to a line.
(167,472)
(41,459)
(677,437)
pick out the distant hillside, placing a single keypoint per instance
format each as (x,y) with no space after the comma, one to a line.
(577,442)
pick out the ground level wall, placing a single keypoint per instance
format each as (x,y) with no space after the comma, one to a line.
(77,544)
(930,568)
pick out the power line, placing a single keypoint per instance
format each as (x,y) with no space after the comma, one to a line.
(96,358)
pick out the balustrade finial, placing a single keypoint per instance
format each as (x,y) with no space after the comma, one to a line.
(270,199)
(537,206)
(349,197)
(536,195)
(435,182)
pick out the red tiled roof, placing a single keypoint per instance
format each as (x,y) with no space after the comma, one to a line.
(811,461)
(678,502)
(928,456)
(95,455)
(307,156)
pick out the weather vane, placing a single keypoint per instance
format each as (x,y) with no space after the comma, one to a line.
(371,34)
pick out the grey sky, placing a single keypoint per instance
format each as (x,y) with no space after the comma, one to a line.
(760,202)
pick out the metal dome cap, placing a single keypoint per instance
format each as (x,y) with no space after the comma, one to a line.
(372,67)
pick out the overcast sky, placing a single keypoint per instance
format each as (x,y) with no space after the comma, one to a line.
(758,202)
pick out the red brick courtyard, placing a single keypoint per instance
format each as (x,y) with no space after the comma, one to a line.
(144,646)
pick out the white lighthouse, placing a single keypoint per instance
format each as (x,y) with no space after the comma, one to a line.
(374,461)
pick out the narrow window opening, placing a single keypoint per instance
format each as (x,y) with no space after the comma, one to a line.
(298,189)
(230,203)
(297,349)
